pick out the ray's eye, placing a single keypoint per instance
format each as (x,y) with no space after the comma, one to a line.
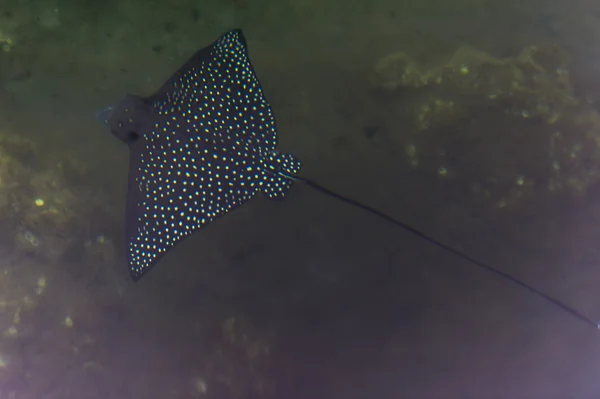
(132,137)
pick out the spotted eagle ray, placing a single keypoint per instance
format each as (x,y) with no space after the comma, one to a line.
(206,143)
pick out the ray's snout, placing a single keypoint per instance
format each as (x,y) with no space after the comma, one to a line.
(104,114)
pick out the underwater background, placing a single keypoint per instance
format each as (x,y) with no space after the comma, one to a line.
(474,121)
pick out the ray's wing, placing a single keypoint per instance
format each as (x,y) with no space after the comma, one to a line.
(177,186)
(218,88)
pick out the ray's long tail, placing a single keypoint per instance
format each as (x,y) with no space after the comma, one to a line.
(554,301)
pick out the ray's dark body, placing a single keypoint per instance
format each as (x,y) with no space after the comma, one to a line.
(201,146)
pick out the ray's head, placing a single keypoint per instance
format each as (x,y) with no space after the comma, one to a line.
(126,119)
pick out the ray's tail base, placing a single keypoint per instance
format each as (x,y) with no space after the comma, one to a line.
(280,170)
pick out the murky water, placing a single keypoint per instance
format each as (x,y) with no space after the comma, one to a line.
(467,132)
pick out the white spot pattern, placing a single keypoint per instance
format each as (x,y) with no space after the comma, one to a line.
(212,148)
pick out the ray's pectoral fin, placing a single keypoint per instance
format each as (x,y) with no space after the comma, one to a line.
(178,185)
(130,121)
